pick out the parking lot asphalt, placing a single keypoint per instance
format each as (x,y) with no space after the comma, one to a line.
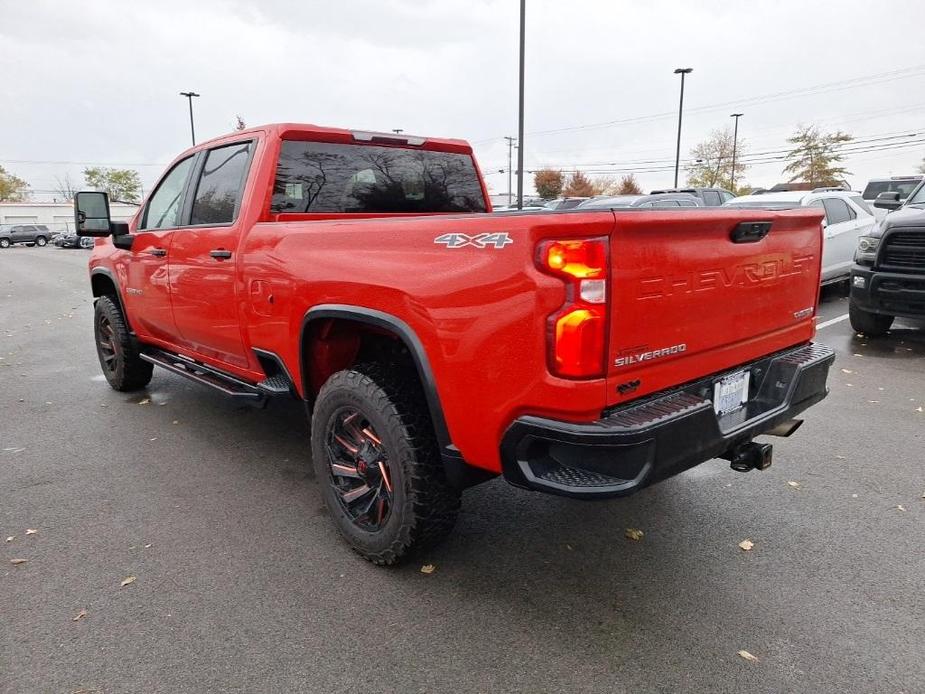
(242,584)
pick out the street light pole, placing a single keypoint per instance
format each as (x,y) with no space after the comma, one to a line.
(510,149)
(735,139)
(677,156)
(192,129)
(520,114)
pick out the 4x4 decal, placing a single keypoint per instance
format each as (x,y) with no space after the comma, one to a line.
(495,240)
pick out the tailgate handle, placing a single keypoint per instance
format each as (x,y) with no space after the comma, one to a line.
(750,232)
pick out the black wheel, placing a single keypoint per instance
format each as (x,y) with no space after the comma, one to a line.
(870,324)
(4,243)
(117,349)
(41,241)
(377,464)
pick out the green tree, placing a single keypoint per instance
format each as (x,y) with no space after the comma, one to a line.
(579,186)
(12,188)
(548,183)
(629,186)
(815,158)
(121,184)
(712,162)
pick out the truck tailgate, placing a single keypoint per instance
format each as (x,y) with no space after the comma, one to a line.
(688,302)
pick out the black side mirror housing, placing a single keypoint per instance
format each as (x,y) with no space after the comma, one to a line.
(91,214)
(888,200)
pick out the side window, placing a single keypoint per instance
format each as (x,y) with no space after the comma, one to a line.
(711,198)
(836,210)
(726,196)
(862,203)
(818,205)
(687,203)
(218,193)
(666,203)
(163,210)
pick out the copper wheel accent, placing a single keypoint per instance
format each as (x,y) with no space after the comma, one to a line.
(360,472)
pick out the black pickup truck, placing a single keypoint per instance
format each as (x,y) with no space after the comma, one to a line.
(888,278)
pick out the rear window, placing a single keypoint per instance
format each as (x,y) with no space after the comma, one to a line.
(711,198)
(329,177)
(904,187)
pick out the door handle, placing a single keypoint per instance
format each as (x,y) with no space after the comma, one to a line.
(220,254)
(159,252)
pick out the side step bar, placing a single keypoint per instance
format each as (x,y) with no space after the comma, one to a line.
(206,375)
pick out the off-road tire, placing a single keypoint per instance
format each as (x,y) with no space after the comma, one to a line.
(41,241)
(5,243)
(870,324)
(127,371)
(424,506)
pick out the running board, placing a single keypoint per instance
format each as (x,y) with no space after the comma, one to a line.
(206,375)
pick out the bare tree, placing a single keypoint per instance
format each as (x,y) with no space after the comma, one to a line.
(239,123)
(66,188)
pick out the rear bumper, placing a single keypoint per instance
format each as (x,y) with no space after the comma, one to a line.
(637,445)
(888,293)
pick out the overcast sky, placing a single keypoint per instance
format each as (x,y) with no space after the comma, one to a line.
(97,82)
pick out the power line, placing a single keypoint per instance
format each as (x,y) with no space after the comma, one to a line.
(844,84)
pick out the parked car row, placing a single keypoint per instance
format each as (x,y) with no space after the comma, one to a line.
(40,235)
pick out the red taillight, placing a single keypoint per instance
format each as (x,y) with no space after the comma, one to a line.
(578,330)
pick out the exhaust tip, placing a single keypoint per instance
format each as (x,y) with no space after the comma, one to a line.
(785,429)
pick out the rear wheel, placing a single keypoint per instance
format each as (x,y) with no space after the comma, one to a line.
(871,324)
(117,349)
(41,241)
(377,464)
(4,243)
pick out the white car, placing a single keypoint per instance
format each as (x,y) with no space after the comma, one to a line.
(847,216)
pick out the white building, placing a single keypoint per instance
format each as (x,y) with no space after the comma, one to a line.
(57,216)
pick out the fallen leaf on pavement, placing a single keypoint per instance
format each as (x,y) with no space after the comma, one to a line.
(795,485)
(146,401)
(17,562)
(31,531)
(919,409)
(747,656)
(13,537)
(746,545)
(147,546)
(847,371)
(900,507)
(428,569)
(840,457)
(634,534)
(127,580)
(80,615)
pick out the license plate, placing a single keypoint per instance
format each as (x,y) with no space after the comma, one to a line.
(730,393)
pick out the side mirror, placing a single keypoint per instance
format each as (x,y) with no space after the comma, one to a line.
(91,214)
(888,201)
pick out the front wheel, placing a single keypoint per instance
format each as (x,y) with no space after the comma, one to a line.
(117,350)
(378,466)
(870,324)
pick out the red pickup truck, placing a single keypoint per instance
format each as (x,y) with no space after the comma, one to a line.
(437,344)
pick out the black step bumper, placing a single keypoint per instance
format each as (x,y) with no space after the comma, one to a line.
(889,293)
(636,445)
